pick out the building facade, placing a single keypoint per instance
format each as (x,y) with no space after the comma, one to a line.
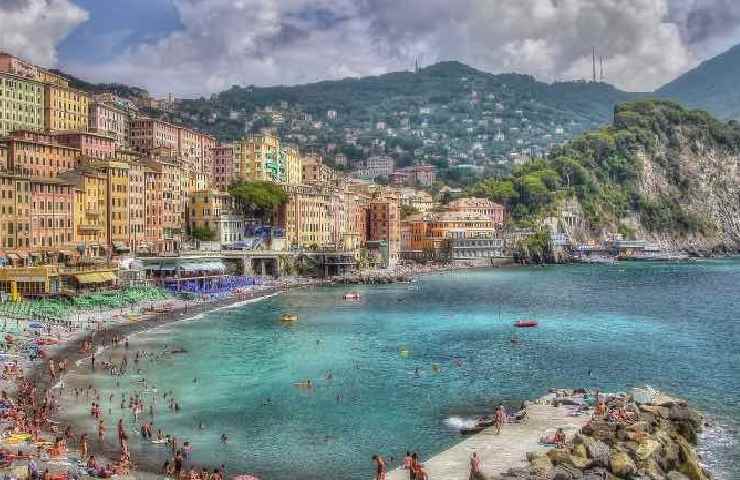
(93,145)
(39,155)
(65,108)
(21,104)
(111,121)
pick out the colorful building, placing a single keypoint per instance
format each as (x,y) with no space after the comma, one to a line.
(478,206)
(21,104)
(90,144)
(148,134)
(112,121)
(383,226)
(65,108)
(90,209)
(217,212)
(153,209)
(223,166)
(316,172)
(52,216)
(15,212)
(262,158)
(39,155)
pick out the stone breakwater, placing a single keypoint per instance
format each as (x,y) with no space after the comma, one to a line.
(651,442)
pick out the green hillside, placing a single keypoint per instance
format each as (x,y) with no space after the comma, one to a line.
(651,142)
(713,86)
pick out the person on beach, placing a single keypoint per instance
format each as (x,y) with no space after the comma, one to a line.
(499,418)
(407,461)
(475,472)
(379,467)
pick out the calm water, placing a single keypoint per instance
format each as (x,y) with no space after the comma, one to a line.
(673,326)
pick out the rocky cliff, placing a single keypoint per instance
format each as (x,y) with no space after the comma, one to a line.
(653,442)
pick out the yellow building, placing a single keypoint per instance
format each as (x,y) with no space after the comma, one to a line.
(21,104)
(90,209)
(3,156)
(307,216)
(217,212)
(262,158)
(15,203)
(30,282)
(293,166)
(65,108)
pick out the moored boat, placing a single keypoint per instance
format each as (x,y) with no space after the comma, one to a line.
(525,324)
(352,296)
(471,430)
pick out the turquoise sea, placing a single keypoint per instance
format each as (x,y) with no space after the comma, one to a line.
(673,326)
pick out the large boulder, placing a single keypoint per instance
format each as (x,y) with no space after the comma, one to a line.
(621,464)
(598,452)
(566,472)
(676,476)
(539,464)
(647,449)
(598,473)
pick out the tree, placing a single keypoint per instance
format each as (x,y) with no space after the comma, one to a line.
(407,211)
(263,198)
(202,233)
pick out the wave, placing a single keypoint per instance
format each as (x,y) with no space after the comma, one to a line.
(458,422)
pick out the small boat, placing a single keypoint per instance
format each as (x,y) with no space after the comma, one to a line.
(288,317)
(471,430)
(352,296)
(485,422)
(525,324)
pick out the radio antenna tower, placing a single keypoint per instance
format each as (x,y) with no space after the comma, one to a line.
(594,62)
(601,69)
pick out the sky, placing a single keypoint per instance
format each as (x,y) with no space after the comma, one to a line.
(199,47)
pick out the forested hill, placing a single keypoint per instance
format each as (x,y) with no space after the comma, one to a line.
(359,102)
(713,86)
(660,172)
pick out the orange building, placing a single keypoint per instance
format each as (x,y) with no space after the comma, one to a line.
(39,155)
(15,212)
(153,208)
(384,228)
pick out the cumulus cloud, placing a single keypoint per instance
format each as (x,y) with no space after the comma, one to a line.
(33,28)
(266,42)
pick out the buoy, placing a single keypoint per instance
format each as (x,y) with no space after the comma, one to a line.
(288,317)
(404,353)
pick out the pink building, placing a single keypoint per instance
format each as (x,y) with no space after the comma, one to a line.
(223,166)
(110,120)
(93,145)
(148,134)
(479,207)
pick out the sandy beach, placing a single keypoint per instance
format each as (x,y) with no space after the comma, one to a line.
(100,327)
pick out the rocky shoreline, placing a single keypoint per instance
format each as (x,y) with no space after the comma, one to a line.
(656,443)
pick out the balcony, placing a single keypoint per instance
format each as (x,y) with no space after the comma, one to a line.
(89,229)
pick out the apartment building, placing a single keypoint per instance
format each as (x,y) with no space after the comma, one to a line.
(21,104)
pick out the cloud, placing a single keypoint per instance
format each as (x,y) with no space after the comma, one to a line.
(32,29)
(223,42)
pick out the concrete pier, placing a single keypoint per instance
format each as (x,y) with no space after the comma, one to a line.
(500,452)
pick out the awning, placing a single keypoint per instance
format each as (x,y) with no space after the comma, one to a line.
(207,266)
(120,247)
(95,277)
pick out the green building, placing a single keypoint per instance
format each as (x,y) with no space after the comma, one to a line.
(21,104)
